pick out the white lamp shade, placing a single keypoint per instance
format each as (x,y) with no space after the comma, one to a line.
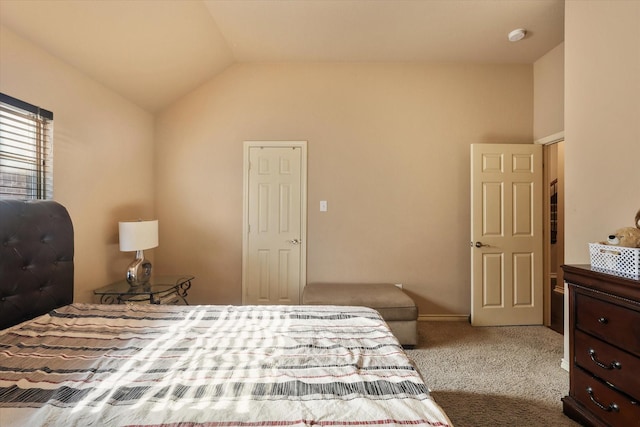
(138,235)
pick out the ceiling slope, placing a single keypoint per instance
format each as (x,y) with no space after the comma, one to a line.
(151,52)
(154,51)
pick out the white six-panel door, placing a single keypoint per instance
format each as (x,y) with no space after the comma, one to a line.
(274,239)
(506,234)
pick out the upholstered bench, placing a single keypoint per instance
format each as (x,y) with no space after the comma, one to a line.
(395,307)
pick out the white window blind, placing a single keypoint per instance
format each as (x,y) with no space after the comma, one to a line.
(26,150)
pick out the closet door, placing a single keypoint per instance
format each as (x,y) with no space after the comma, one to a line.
(274,247)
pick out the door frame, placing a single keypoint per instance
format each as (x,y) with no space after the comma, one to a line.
(303,206)
(546,246)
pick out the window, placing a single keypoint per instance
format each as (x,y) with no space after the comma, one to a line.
(26,150)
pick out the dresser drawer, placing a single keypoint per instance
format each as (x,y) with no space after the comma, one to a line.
(612,323)
(605,403)
(608,363)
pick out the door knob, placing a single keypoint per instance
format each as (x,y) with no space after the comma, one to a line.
(295,241)
(480,244)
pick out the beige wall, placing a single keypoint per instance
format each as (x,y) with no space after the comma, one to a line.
(602,121)
(388,149)
(103,155)
(548,93)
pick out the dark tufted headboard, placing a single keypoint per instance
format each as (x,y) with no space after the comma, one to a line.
(36,259)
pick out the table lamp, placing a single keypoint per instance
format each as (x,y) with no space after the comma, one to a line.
(138,236)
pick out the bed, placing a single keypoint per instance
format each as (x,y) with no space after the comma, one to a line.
(144,365)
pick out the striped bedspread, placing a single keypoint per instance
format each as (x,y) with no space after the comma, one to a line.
(144,365)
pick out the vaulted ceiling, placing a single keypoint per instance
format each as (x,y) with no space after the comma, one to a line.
(154,51)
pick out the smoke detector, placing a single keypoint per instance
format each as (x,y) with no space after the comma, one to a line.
(517,35)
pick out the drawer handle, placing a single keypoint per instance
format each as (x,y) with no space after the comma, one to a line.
(611,408)
(612,365)
(603,320)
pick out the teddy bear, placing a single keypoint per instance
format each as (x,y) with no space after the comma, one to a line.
(628,237)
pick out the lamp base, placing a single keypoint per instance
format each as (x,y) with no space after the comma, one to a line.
(139,271)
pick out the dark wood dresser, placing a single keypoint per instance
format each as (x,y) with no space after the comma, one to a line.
(604,348)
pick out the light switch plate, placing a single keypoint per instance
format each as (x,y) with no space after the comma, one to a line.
(323,205)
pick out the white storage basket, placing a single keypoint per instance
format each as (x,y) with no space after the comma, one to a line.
(622,261)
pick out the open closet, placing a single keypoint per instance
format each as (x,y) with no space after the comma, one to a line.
(554,234)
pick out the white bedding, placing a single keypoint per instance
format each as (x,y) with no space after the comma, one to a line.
(145,365)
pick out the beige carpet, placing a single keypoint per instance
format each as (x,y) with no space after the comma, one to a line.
(494,376)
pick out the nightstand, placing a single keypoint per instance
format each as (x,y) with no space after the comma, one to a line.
(158,290)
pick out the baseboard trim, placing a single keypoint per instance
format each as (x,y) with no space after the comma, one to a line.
(443,318)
